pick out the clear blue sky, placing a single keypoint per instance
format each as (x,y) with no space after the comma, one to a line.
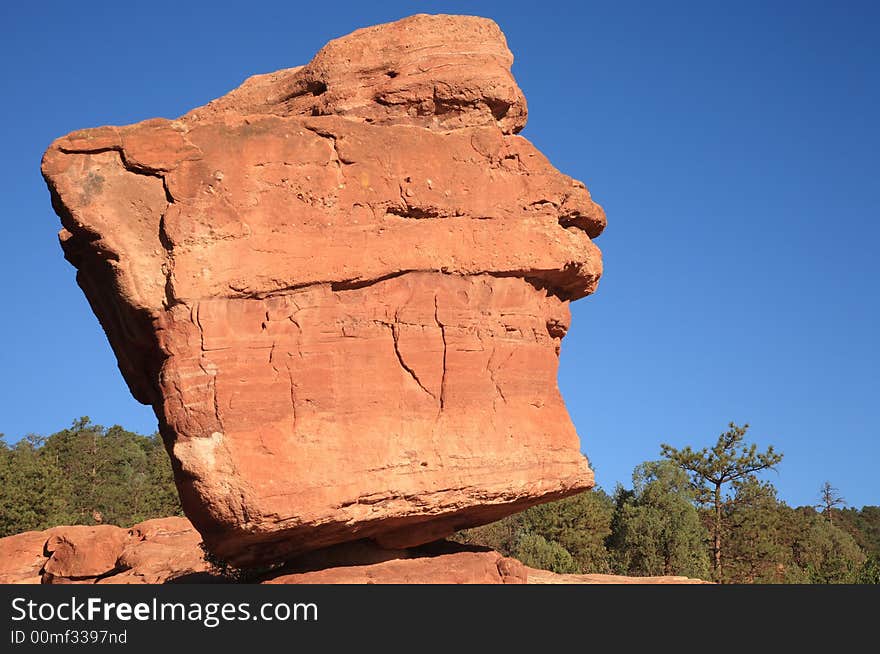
(734,146)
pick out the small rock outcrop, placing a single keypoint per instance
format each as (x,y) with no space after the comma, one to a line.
(342,288)
(157,551)
(536,576)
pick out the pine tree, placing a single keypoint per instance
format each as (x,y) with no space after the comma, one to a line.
(568,534)
(656,529)
(85,474)
(728,461)
(754,550)
(30,487)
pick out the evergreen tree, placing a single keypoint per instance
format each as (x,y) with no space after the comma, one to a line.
(656,529)
(89,474)
(537,552)
(84,475)
(30,487)
(870,572)
(752,523)
(825,553)
(728,461)
(863,525)
(568,534)
(580,524)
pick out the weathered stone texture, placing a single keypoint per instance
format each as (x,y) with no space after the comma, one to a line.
(343,289)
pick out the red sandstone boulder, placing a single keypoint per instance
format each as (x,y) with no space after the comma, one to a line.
(161,551)
(455,568)
(152,552)
(22,558)
(82,553)
(343,289)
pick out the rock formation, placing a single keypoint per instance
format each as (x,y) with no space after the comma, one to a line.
(167,550)
(545,577)
(152,552)
(458,565)
(343,288)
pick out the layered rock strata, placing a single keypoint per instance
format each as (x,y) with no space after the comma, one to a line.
(343,289)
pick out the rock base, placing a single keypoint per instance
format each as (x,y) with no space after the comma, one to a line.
(168,550)
(159,551)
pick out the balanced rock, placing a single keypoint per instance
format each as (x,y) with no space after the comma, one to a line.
(342,287)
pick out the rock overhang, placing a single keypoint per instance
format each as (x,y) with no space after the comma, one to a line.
(342,287)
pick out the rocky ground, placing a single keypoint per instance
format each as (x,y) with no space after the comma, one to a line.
(168,550)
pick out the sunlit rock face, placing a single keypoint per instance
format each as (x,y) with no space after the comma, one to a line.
(343,289)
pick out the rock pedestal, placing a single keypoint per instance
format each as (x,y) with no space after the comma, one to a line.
(168,551)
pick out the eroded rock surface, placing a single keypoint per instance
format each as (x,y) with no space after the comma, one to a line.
(343,289)
(453,568)
(167,550)
(164,550)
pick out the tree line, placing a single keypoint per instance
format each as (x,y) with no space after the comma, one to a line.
(84,475)
(699,513)
(704,514)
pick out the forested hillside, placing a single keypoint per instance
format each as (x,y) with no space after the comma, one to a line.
(86,474)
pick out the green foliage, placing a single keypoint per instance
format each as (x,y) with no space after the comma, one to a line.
(84,475)
(568,534)
(752,523)
(729,461)
(825,553)
(30,485)
(536,551)
(870,572)
(864,525)
(656,529)
(579,524)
